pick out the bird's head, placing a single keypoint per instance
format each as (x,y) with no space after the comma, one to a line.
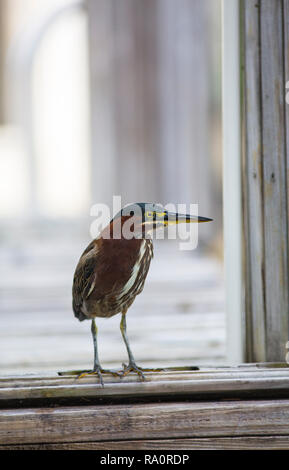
(143,217)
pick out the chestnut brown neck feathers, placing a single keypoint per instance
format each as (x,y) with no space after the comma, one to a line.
(109,274)
(124,227)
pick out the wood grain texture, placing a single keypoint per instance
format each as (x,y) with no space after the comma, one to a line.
(178,409)
(204,443)
(286,80)
(274,174)
(178,318)
(145,421)
(265,195)
(215,382)
(253,181)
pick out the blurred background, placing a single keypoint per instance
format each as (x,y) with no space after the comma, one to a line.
(101,98)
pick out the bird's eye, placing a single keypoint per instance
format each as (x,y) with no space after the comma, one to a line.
(149,214)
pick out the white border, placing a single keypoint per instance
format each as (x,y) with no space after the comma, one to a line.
(232,179)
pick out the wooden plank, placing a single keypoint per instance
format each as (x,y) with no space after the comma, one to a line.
(204,443)
(265,198)
(286,80)
(178,319)
(217,382)
(253,180)
(274,174)
(145,421)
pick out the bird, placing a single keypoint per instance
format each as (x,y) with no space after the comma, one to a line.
(113,268)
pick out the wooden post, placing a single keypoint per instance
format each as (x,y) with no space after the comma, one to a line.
(265,128)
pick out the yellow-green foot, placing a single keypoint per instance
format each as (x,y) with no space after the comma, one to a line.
(132,367)
(95,371)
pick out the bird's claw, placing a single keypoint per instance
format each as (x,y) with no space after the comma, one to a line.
(95,371)
(132,367)
(99,371)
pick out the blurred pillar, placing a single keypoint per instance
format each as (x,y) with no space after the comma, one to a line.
(184,96)
(150,95)
(2,58)
(18,80)
(123,100)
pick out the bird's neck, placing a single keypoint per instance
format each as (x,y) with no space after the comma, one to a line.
(117,230)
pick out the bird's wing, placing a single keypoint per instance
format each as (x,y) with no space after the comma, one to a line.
(84,279)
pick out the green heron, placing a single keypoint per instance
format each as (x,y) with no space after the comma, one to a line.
(112,270)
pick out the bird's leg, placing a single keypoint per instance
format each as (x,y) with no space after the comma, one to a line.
(131,367)
(96,364)
(97,369)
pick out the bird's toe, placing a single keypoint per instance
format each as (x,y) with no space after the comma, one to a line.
(132,367)
(96,371)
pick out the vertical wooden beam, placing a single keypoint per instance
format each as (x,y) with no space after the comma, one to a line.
(253,194)
(286,79)
(274,184)
(265,198)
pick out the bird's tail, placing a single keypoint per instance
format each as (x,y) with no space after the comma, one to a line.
(78,312)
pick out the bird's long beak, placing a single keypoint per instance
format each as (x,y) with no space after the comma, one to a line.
(172,218)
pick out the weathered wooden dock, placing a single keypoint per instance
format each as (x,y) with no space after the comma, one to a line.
(245,407)
(178,319)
